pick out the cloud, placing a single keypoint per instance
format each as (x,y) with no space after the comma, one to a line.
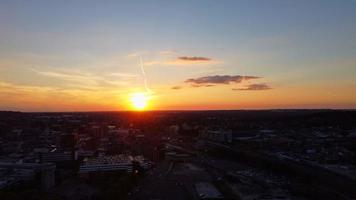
(123,75)
(257,86)
(30,97)
(136,54)
(70,76)
(170,57)
(189,60)
(89,81)
(167,52)
(151,63)
(202,85)
(193,58)
(176,87)
(209,81)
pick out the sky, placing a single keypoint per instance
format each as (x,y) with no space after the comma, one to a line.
(208,54)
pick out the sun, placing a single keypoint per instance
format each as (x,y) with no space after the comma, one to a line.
(139,100)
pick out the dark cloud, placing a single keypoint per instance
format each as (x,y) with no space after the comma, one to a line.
(176,87)
(202,85)
(193,58)
(257,86)
(218,79)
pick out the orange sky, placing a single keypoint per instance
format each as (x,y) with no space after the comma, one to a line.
(195,55)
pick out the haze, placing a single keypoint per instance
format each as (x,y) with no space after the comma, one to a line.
(85,55)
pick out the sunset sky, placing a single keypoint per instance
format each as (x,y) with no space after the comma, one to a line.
(209,54)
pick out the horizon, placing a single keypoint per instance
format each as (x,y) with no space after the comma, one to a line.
(148,111)
(87,56)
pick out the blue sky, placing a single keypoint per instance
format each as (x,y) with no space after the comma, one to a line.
(291,44)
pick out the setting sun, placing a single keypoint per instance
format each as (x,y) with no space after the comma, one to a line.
(139,101)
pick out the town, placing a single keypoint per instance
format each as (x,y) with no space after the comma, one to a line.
(266,154)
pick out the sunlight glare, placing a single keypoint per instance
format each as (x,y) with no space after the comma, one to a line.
(139,100)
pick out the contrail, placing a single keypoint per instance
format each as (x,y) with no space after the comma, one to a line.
(144,76)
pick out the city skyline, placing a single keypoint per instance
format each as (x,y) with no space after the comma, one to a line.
(201,55)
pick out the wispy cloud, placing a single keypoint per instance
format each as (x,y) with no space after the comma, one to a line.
(151,63)
(209,81)
(167,52)
(170,57)
(190,60)
(193,58)
(253,87)
(70,76)
(84,80)
(12,88)
(137,54)
(123,75)
(176,87)
(27,97)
